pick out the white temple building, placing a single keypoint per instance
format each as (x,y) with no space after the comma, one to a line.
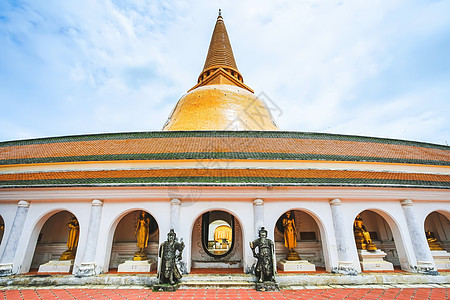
(219,171)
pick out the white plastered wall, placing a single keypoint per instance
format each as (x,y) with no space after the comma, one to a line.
(237,201)
(7,212)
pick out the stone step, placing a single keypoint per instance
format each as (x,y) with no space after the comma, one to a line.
(217,285)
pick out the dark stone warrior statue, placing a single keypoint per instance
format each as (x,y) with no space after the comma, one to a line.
(168,272)
(264,270)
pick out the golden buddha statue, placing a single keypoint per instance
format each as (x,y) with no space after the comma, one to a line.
(432,241)
(223,235)
(362,236)
(2,229)
(290,240)
(72,240)
(142,233)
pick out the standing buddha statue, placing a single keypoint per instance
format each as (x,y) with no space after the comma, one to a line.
(290,240)
(72,240)
(142,233)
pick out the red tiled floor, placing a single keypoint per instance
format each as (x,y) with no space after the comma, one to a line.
(203,294)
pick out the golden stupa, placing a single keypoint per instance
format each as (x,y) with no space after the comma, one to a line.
(220,100)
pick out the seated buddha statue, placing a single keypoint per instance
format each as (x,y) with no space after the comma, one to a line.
(362,236)
(432,241)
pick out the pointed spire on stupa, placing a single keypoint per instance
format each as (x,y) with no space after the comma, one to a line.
(220,66)
(220,52)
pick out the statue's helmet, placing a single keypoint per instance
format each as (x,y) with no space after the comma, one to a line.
(171,233)
(262,230)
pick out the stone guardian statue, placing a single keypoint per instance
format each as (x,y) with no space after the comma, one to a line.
(169,252)
(264,270)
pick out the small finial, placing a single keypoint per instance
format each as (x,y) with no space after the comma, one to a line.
(220,12)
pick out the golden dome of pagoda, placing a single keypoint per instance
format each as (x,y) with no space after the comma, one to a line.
(220,100)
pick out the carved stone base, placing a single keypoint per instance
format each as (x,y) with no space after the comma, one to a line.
(85,270)
(346,268)
(292,255)
(426,267)
(295,266)
(67,255)
(373,261)
(133,266)
(441,259)
(267,286)
(6,270)
(140,256)
(56,266)
(165,287)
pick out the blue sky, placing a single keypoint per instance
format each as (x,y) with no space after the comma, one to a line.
(372,68)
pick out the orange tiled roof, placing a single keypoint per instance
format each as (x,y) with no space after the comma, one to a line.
(221,145)
(224,176)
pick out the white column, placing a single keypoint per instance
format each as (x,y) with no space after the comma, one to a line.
(175,205)
(87,267)
(6,261)
(342,241)
(258,215)
(424,258)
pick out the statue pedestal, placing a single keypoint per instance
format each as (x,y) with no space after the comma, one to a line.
(267,286)
(295,266)
(6,269)
(136,266)
(86,269)
(441,259)
(373,261)
(56,266)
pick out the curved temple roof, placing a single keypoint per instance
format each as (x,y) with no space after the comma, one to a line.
(200,146)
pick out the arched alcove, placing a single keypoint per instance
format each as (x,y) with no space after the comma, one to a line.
(124,244)
(52,239)
(438,227)
(309,243)
(380,234)
(217,241)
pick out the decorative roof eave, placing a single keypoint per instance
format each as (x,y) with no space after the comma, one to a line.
(219,72)
(229,184)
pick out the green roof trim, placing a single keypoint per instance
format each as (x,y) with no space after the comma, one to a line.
(243,134)
(219,155)
(227,180)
